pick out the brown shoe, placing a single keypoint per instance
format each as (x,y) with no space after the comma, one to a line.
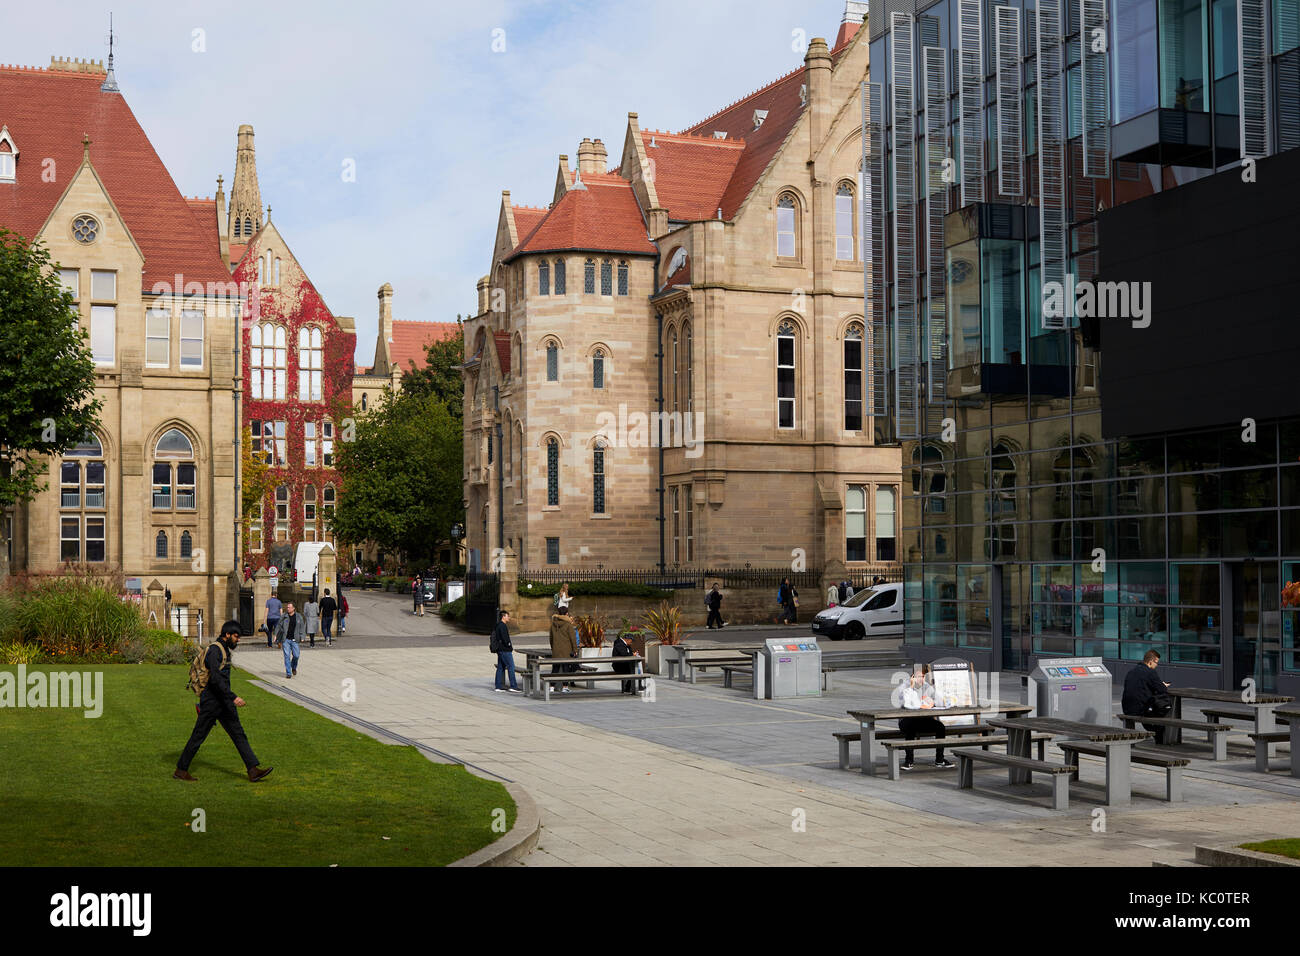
(257,773)
(185,775)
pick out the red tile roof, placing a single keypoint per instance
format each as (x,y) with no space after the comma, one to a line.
(411,338)
(604,217)
(681,277)
(48,112)
(237,251)
(847,32)
(691,173)
(503,350)
(527,219)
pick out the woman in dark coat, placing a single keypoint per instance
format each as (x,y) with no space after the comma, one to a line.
(789,598)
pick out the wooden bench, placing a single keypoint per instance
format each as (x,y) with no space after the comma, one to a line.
(895,747)
(547,680)
(1172,765)
(729,671)
(1261,746)
(693,664)
(1216,733)
(1059,772)
(1216,714)
(846,737)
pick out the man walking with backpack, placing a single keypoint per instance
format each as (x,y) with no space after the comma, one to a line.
(327,608)
(210,679)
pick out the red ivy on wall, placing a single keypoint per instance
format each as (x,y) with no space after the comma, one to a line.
(295,304)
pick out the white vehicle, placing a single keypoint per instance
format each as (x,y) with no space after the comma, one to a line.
(305,561)
(871,612)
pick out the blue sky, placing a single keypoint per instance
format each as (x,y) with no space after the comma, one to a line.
(435,120)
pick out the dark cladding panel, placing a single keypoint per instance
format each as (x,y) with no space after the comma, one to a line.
(1223,260)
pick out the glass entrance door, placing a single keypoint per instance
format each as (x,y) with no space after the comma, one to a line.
(1255,624)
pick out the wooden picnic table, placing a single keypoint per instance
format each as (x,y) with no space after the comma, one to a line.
(1264,706)
(1117,741)
(1292,713)
(537,658)
(867,721)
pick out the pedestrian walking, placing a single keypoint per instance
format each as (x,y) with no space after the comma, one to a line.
(287,635)
(417,592)
(311,621)
(272,617)
(500,645)
(328,608)
(832,595)
(713,601)
(562,599)
(563,645)
(218,704)
(788,597)
(343,613)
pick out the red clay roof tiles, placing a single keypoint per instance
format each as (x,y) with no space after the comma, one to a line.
(691,173)
(410,339)
(604,217)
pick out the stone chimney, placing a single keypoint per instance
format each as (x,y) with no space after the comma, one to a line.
(223,222)
(591,157)
(820,107)
(602,157)
(383,357)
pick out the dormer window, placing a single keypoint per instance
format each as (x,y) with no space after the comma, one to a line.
(8,157)
(719,134)
(759,116)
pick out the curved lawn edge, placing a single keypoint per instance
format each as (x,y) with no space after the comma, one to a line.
(518,841)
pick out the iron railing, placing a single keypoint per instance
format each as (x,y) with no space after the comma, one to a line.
(703,578)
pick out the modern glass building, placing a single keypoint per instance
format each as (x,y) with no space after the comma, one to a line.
(1119,470)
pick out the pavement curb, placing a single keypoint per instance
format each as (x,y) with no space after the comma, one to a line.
(518,842)
(1235,856)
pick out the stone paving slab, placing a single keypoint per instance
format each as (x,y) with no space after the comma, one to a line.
(611,792)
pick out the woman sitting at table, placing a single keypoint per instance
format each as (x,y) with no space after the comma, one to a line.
(920,695)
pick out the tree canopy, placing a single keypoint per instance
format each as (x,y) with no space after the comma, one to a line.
(47,376)
(440,377)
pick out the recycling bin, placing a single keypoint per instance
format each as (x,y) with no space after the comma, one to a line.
(1072,688)
(793,667)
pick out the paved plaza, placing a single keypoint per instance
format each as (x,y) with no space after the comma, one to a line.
(707,775)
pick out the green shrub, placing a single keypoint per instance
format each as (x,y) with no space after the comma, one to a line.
(594,589)
(455,610)
(16,653)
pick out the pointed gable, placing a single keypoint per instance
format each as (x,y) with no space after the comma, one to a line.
(691,173)
(49,112)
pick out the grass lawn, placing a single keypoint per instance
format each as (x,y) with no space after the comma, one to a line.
(1289,847)
(79,791)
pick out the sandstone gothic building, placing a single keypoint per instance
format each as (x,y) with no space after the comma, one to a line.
(668,361)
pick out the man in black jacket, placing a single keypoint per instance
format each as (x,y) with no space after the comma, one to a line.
(713,601)
(328,608)
(217,704)
(500,645)
(1144,693)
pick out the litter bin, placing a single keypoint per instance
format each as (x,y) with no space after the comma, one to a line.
(1072,688)
(794,668)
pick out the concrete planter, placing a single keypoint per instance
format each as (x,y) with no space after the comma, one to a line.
(603,666)
(658,655)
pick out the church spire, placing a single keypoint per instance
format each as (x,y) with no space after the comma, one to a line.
(245,196)
(110,81)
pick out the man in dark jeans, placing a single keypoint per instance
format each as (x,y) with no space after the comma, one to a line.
(1145,694)
(713,601)
(328,607)
(501,645)
(217,703)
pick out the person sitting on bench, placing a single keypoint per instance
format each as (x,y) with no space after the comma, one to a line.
(1144,693)
(919,695)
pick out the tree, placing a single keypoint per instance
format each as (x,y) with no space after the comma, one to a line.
(440,377)
(47,375)
(402,476)
(257,477)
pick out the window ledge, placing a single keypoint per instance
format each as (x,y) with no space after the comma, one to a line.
(550,507)
(601,517)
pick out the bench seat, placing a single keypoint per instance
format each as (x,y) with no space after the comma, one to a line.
(1216,733)
(729,671)
(1059,772)
(1261,746)
(846,737)
(691,665)
(895,747)
(1217,714)
(547,680)
(1172,765)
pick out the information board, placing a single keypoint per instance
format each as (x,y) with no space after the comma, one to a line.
(954,686)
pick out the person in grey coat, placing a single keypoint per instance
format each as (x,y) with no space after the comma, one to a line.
(311,621)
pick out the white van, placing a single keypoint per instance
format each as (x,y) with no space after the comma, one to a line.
(305,560)
(871,612)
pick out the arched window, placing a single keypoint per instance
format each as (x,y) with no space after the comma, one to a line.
(559,277)
(787,245)
(929,473)
(160,545)
(255,528)
(845,244)
(309,513)
(689,362)
(248,227)
(622,276)
(260,279)
(282,513)
(589,276)
(239,227)
(606,277)
(543,278)
(519,457)
(174,468)
(268,361)
(598,479)
(675,354)
(310,364)
(82,500)
(785,375)
(552,361)
(886,541)
(598,369)
(187,545)
(328,501)
(552,472)
(507,458)
(853,373)
(277,270)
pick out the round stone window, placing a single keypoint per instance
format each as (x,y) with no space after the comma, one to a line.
(85,229)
